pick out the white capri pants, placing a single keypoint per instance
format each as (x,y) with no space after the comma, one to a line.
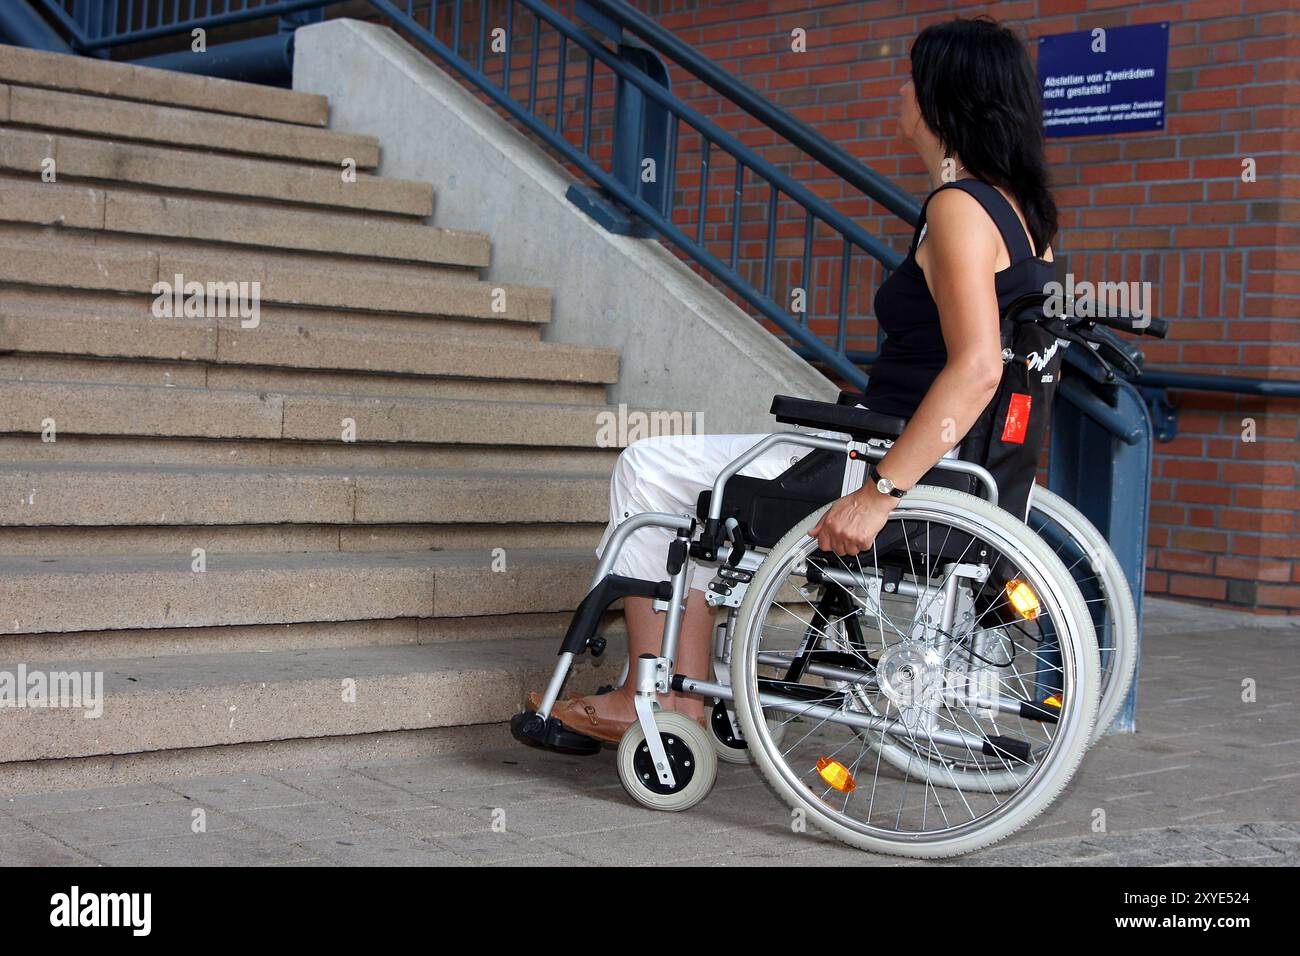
(667,473)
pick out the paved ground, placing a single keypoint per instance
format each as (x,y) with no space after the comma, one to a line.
(1209,780)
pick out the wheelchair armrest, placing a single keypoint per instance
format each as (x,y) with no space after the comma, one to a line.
(861,423)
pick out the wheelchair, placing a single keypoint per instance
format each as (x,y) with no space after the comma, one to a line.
(923,698)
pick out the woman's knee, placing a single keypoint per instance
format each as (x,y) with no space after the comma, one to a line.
(636,457)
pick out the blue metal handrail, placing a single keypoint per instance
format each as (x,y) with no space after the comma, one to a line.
(862,177)
(1153,383)
(842,239)
(97,25)
(91,33)
(1202,382)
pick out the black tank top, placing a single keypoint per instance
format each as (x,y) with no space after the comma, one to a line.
(913,352)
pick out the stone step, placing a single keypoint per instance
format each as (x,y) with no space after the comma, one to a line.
(128,330)
(206,700)
(112,592)
(96,540)
(82,74)
(47,368)
(302,636)
(199,452)
(231,262)
(269,756)
(53,408)
(66,259)
(119,210)
(53,300)
(34,494)
(176,126)
(79,158)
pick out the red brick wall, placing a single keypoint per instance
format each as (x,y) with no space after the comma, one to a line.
(1168,208)
(1223,256)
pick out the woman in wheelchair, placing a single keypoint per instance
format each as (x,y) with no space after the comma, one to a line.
(970,113)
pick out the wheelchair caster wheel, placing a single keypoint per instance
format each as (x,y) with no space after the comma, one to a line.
(730,748)
(690,754)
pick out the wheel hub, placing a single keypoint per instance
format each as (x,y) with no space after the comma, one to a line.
(680,759)
(911,675)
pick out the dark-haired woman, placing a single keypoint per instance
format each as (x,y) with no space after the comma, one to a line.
(970,110)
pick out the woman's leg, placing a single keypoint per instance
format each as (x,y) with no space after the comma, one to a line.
(645,632)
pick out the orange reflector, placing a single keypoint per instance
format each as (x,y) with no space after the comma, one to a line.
(836,774)
(1022,598)
(1054,701)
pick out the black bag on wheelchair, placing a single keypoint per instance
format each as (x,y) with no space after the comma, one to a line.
(1008,437)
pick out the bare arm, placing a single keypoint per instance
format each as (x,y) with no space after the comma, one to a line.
(959,265)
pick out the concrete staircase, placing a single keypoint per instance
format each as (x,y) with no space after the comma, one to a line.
(355,529)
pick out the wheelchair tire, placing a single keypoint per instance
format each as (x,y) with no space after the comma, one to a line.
(1115,620)
(731,750)
(695,765)
(793,776)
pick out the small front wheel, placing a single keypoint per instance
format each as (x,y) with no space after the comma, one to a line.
(690,754)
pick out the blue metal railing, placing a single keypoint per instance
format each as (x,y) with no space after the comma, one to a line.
(102,24)
(98,25)
(834,248)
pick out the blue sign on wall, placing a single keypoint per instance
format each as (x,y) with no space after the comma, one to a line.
(1108,80)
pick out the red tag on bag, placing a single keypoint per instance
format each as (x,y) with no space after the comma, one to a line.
(1017,418)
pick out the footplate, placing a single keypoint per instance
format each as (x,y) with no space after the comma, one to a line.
(528,728)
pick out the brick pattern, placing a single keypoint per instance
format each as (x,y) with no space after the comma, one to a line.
(1169,208)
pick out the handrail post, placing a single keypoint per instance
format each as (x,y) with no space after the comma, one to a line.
(641,136)
(1107,476)
(641,130)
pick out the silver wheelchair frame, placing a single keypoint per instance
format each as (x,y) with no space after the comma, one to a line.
(656,675)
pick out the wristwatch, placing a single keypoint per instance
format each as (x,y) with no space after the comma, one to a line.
(883,484)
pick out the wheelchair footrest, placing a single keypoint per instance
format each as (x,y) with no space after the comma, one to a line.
(549,734)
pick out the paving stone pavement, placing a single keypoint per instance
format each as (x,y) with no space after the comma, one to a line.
(1209,780)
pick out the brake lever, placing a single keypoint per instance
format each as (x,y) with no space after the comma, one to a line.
(1132,367)
(737,542)
(1079,334)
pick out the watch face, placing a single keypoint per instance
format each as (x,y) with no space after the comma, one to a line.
(884,486)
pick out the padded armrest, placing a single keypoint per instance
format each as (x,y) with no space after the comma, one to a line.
(861,423)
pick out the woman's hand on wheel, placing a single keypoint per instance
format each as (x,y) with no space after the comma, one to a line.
(851,523)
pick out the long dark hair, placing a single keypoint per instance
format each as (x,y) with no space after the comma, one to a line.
(977,91)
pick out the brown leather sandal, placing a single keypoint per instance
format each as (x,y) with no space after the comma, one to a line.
(534,699)
(577,714)
(580,716)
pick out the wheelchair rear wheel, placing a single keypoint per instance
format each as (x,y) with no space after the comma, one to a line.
(958,697)
(1105,588)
